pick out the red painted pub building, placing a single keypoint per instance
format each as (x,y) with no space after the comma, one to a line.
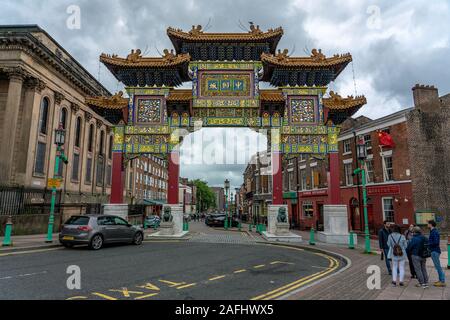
(389,185)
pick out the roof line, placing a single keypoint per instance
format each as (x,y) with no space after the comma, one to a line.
(28,28)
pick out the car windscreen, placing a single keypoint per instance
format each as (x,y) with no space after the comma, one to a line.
(78,221)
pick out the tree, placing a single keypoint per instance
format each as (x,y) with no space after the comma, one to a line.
(206,198)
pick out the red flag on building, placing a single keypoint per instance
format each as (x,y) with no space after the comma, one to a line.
(385,139)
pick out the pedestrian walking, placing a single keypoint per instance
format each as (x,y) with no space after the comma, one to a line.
(418,247)
(383,235)
(434,242)
(397,254)
(409,234)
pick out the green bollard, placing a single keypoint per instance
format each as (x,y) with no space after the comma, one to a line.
(311,237)
(351,244)
(250,227)
(239,226)
(7,240)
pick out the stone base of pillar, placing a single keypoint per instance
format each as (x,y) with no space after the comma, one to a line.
(278,231)
(174,229)
(119,210)
(335,225)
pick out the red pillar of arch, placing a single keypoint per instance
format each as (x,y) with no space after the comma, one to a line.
(277,179)
(117,178)
(173,172)
(334,184)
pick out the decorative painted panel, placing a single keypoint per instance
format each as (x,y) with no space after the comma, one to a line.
(149,111)
(220,84)
(302,110)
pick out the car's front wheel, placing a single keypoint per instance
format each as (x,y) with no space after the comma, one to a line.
(96,242)
(138,238)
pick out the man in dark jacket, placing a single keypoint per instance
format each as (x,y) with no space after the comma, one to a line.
(383,236)
(434,242)
(415,249)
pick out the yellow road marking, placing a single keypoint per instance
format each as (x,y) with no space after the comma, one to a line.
(240,271)
(28,251)
(216,278)
(125,292)
(318,276)
(101,295)
(334,264)
(172,284)
(146,296)
(280,262)
(149,286)
(259,266)
(186,286)
(77,298)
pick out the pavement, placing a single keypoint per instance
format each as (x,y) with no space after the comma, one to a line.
(348,281)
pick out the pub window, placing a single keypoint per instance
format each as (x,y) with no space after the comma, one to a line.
(388,169)
(91,138)
(78,133)
(39,166)
(100,171)
(348,169)
(75,166)
(308,210)
(348,146)
(43,116)
(130,182)
(388,209)
(369,171)
(368,141)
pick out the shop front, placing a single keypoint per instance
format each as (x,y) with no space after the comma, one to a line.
(310,209)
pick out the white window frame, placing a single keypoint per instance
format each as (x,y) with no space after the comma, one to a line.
(348,179)
(349,145)
(383,208)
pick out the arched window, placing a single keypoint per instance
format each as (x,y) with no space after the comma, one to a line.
(102,142)
(63,118)
(78,133)
(110,147)
(43,116)
(91,138)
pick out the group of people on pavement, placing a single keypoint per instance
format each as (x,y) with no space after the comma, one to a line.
(413,246)
(198,217)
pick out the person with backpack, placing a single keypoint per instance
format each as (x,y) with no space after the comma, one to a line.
(409,234)
(418,248)
(434,242)
(397,253)
(383,235)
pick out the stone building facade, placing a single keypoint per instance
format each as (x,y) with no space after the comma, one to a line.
(429,140)
(41,86)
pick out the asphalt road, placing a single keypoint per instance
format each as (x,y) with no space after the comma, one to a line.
(164,270)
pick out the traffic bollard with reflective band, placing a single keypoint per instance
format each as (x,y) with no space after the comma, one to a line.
(250,228)
(311,237)
(351,244)
(8,230)
(239,226)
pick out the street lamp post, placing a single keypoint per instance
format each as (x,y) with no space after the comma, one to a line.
(227,187)
(60,137)
(362,155)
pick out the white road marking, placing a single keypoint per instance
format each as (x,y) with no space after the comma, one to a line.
(23,275)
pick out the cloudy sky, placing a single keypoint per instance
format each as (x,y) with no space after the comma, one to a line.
(395,44)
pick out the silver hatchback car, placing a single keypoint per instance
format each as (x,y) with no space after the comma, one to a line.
(96,230)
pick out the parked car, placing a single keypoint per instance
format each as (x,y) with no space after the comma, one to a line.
(96,230)
(218,220)
(153,221)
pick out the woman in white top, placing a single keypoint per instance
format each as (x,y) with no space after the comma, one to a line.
(397,253)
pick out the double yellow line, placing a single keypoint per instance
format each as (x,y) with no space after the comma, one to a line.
(334,264)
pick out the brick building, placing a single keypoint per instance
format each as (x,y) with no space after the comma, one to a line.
(429,140)
(220,197)
(411,177)
(146,182)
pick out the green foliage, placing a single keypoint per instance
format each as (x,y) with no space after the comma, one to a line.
(206,198)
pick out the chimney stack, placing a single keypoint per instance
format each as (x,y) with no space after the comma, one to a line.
(426,98)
